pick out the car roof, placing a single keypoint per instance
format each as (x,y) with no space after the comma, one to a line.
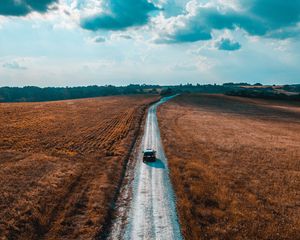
(149,151)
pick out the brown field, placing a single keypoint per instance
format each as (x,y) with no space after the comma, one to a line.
(61,164)
(235,166)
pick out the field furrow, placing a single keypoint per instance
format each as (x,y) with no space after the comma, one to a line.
(61,164)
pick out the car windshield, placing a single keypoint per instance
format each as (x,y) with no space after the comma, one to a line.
(149,153)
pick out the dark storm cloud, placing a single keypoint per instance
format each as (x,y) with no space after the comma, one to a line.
(24,7)
(277,13)
(211,18)
(122,14)
(228,45)
(267,18)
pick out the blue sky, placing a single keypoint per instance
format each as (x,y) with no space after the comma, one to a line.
(87,42)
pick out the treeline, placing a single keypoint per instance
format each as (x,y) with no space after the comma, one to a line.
(36,94)
(292,88)
(207,88)
(264,94)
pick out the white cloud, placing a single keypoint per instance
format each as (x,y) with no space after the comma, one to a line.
(19,63)
(13,66)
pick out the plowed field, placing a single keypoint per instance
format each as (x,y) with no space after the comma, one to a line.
(61,164)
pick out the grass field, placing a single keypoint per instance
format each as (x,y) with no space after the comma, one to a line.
(235,166)
(61,164)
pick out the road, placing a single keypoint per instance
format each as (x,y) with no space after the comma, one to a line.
(152,211)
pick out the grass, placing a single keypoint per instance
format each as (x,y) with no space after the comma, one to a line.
(235,166)
(61,164)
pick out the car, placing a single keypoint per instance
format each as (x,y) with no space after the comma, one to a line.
(149,155)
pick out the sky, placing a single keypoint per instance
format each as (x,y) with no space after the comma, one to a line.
(119,42)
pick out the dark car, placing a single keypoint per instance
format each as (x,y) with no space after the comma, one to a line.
(149,155)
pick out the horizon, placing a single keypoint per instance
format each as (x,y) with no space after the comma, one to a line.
(156,85)
(166,42)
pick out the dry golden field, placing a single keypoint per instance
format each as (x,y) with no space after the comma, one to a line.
(235,166)
(61,164)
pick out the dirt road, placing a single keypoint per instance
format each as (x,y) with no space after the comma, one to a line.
(152,211)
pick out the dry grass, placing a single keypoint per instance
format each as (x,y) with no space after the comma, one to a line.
(61,163)
(235,166)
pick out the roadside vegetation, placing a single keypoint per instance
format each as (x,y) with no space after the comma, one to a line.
(235,166)
(288,92)
(61,164)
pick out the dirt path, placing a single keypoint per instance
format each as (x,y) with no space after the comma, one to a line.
(152,211)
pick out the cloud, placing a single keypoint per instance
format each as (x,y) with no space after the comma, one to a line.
(190,33)
(228,45)
(186,67)
(276,13)
(127,37)
(120,15)
(14,66)
(265,18)
(172,7)
(284,33)
(99,39)
(24,7)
